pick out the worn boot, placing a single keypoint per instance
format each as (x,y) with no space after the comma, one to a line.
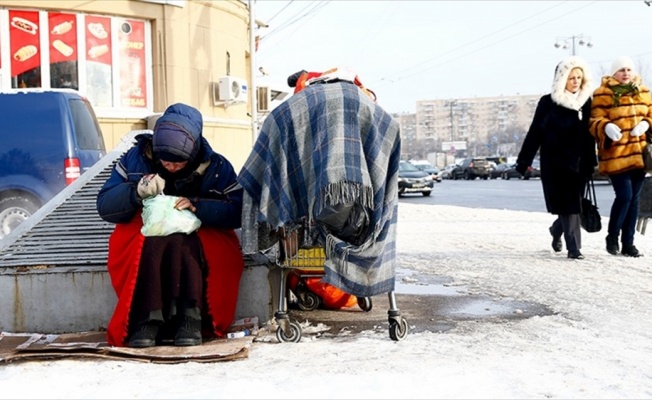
(575,254)
(631,251)
(612,245)
(167,333)
(145,334)
(189,332)
(556,241)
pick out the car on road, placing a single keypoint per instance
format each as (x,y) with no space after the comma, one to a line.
(497,171)
(425,166)
(533,171)
(412,180)
(447,172)
(471,168)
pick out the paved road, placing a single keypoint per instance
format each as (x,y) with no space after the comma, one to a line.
(501,194)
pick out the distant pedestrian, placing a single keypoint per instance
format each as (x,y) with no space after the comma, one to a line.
(560,133)
(621,115)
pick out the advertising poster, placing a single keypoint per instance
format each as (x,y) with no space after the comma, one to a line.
(98,39)
(131,37)
(99,57)
(63,37)
(24,43)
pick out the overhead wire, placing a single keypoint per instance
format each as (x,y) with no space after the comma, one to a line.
(388,81)
(481,38)
(279,11)
(301,16)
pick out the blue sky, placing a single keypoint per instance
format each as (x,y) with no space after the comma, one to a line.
(419,50)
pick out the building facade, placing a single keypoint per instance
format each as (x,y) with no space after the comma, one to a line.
(478,126)
(133,58)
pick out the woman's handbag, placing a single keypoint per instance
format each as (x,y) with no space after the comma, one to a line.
(589,215)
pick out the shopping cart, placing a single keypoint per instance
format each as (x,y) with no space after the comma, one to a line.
(301,253)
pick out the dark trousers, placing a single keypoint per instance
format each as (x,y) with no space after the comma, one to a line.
(169,277)
(569,226)
(624,211)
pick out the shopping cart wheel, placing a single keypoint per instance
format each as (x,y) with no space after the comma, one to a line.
(398,328)
(308,301)
(365,303)
(292,335)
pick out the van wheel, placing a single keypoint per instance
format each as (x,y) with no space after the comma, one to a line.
(426,193)
(13,211)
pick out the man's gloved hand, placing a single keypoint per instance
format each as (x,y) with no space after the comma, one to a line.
(521,168)
(640,128)
(613,131)
(150,185)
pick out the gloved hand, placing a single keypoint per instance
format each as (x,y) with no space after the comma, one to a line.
(613,131)
(521,168)
(640,128)
(150,185)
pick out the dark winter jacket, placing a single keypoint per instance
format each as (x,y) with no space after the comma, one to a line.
(560,133)
(209,182)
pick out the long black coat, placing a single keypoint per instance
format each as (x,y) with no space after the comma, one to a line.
(566,150)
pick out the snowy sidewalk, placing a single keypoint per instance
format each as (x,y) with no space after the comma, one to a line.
(596,344)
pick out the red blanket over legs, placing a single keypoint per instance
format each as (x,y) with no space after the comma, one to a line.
(224,263)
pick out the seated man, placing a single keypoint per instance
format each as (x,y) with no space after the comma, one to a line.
(168,285)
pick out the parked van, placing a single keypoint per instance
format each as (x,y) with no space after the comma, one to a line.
(48,138)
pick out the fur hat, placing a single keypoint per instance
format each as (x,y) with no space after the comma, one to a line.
(177,133)
(622,62)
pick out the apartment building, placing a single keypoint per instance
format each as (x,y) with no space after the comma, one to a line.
(470,126)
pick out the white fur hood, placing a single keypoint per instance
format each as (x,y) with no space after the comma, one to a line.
(560,95)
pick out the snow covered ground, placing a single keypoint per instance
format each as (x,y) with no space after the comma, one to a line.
(596,345)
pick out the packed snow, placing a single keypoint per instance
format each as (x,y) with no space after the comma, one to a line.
(597,344)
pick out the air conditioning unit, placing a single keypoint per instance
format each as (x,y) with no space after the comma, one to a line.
(231,89)
(264,96)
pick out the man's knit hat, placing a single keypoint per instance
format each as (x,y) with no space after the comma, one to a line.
(177,133)
(622,62)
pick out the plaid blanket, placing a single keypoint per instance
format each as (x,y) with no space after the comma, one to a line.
(330,147)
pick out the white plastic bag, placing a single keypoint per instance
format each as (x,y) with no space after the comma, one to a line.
(160,218)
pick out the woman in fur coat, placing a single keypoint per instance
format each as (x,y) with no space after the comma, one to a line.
(621,115)
(560,132)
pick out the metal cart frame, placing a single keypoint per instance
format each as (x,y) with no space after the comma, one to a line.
(310,262)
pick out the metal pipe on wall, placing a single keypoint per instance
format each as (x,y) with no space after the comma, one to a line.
(252,74)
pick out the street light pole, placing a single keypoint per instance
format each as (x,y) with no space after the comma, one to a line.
(451,103)
(581,41)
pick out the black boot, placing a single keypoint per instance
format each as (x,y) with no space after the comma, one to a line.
(145,334)
(189,332)
(631,251)
(167,332)
(556,241)
(612,245)
(575,254)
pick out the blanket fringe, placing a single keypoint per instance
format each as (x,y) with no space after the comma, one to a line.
(348,193)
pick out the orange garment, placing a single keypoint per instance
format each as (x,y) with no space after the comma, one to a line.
(303,79)
(332,298)
(224,263)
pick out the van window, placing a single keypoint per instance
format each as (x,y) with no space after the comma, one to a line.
(25,129)
(87,130)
